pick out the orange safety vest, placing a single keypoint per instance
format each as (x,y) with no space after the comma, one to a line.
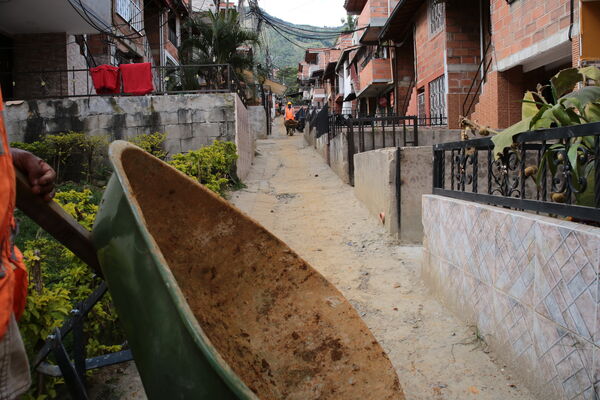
(289,114)
(13,275)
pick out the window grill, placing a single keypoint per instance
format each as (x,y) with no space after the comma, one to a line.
(173,31)
(436,16)
(421,105)
(437,99)
(131,11)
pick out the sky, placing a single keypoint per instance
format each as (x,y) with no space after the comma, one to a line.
(309,12)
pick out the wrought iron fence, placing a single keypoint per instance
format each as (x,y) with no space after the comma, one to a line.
(372,133)
(215,78)
(552,171)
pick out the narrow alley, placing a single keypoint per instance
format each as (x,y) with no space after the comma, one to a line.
(294,194)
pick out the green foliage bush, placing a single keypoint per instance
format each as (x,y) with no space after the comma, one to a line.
(213,166)
(74,156)
(153,143)
(57,282)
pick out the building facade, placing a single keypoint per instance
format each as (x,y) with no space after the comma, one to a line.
(46,50)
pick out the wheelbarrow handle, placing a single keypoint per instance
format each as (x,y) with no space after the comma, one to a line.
(57,222)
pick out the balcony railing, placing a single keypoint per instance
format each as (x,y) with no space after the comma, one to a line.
(536,174)
(181,79)
(131,12)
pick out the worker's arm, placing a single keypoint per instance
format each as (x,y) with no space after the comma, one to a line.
(41,176)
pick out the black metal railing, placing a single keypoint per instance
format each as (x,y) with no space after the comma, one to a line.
(181,79)
(479,79)
(440,121)
(537,174)
(372,133)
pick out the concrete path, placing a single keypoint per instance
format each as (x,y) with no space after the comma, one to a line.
(294,194)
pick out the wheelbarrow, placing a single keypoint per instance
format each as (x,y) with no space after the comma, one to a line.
(216,307)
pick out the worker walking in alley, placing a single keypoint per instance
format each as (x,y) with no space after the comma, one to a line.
(14,369)
(290,119)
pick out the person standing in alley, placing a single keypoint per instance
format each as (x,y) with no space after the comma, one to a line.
(290,119)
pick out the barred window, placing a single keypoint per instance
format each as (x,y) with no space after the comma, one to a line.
(437,101)
(436,16)
(421,107)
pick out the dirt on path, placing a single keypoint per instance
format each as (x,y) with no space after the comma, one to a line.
(295,195)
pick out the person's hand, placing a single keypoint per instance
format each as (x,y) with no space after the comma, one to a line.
(41,176)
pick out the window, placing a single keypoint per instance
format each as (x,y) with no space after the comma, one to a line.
(421,106)
(437,101)
(436,16)
(131,11)
(173,30)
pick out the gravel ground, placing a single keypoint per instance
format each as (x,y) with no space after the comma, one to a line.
(295,195)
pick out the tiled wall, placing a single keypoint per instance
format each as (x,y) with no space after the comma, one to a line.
(529,284)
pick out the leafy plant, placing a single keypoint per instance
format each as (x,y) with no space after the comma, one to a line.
(567,106)
(73,155)
(216,39)
(153,143)
(214,166)
(57,282)
(571,162)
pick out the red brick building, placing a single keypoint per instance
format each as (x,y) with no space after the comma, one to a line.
(476,58)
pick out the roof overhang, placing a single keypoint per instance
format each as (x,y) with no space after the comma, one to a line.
(44,16)
(399,23)
(276,88)
(352,96)
(317,73)
(354,7)
(330,70)
(371,33)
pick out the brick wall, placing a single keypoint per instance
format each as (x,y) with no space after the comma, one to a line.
(40,52)
(525,22)
(430,52)
(373,9)
(405,75)
(500,103)
(464,54)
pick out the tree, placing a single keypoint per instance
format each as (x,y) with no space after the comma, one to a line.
(350,23)
(289,77)
(216,39)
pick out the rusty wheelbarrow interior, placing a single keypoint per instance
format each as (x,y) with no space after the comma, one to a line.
(235,299)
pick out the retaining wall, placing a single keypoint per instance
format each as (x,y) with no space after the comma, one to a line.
(377,187)
(257,120)
(190,121)
(528,283)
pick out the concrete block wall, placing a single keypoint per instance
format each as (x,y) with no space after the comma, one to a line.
(528,283)
(257,120)
(376,185)
(190,121)
(244,139)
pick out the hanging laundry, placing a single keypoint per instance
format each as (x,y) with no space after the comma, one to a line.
(137,78)
(106,79)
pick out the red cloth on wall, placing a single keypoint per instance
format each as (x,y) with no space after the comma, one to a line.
(137,78)
(106,79)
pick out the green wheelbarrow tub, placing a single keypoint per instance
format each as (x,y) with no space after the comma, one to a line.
(216,307)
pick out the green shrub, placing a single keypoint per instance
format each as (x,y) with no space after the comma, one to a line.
(74,156)
(213,166)
(153,143)
(57,282)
